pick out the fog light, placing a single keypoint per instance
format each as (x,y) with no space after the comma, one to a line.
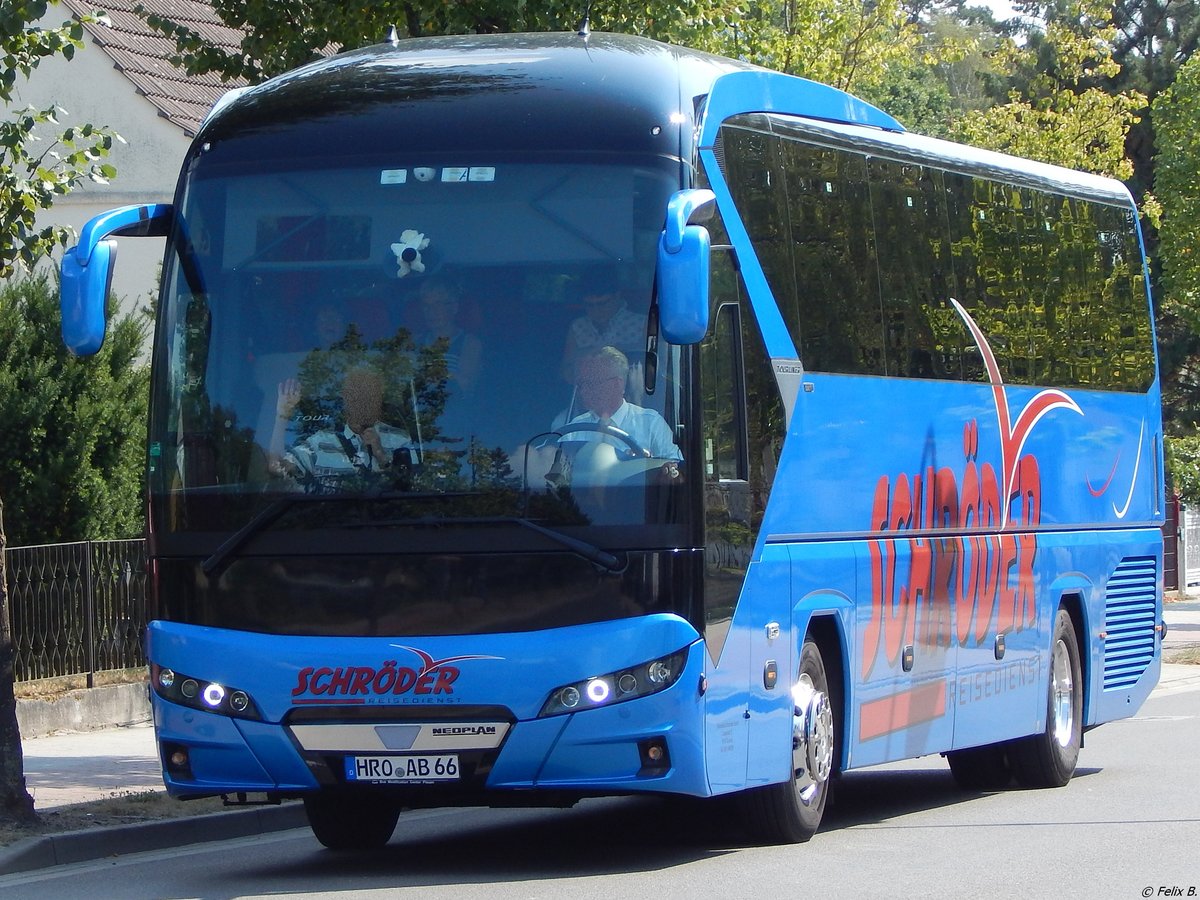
(190,688)
(214,694)
(166,678)
(178,759)
(598,690)
(655,757)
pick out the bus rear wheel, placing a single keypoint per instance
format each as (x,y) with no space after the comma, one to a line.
(1048,759)
(351,823)
(791,812)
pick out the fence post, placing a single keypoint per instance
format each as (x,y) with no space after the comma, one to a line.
(89,613)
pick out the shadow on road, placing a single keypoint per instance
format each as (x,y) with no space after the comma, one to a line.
(601,837)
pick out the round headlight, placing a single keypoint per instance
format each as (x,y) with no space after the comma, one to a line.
(214,694)
(598,690)
(568,697)
(166,678)
(190,688)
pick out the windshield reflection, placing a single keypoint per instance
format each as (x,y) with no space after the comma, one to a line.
(335,354)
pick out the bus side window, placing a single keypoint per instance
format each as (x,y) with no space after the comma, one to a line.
(724,408)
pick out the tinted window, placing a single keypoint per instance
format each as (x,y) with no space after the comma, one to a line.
(863,255)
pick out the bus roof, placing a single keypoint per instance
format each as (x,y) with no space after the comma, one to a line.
(555,92)
(509,92)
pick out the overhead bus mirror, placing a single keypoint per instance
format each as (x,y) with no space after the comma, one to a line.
(683,261)
(86,270)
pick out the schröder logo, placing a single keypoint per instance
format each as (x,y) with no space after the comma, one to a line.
(389,682)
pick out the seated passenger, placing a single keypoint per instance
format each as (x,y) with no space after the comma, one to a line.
(463,350)
(362,444)
(607,321)
(600,390)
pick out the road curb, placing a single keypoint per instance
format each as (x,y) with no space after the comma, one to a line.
(68,847)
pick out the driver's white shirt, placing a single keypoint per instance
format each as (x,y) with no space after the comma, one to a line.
(646,426)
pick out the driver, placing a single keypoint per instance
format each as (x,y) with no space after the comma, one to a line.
(600,388)
(362,444)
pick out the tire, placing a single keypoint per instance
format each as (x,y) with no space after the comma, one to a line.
(342,822)
(980,768)
(791,812)
(1048,759)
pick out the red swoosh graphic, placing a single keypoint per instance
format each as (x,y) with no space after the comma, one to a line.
(1012,437)
(1096,492)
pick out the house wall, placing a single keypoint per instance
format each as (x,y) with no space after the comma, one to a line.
(91,90)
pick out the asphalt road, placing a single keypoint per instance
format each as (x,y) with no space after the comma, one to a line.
(1127,826)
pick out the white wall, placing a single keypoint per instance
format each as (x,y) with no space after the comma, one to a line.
(91,90)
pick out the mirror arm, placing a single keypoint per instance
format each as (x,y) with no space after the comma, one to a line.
(686,208)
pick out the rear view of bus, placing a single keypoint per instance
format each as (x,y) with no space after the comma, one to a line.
(520,433)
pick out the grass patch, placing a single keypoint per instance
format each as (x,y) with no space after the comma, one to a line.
(53,688)
(120,809)
(1188,656)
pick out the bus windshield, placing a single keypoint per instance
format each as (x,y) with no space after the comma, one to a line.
(450,342)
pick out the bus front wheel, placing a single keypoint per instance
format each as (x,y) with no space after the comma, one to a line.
(351,823)
(790,812)
(1048,759)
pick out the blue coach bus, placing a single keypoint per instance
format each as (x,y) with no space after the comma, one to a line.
(537,417)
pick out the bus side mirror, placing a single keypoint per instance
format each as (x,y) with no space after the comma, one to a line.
(86,271)
(683,261)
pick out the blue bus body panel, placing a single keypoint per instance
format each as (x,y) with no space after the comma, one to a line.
(594,749)
(1080,522)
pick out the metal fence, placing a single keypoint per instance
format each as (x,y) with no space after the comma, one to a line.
(1189,542)
(76,609)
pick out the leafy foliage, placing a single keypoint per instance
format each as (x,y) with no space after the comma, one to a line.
(30,182)
(1183,465)
(1055,112)
(1177,117)
(845,43)
(281,36)
(71,451)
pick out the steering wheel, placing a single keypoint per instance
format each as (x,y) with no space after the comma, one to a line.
(635,450)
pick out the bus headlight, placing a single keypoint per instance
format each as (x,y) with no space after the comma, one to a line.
(196,693)
(616,687)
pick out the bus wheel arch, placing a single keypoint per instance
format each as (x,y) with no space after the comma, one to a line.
(791,811)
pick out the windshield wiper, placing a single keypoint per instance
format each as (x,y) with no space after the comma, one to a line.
(590,552)
(215,564)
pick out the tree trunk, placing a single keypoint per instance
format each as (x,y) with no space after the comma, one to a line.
(15,802)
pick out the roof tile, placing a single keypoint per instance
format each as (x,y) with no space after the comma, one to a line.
(144,57)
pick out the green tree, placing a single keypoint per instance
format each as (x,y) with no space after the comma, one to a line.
(29,184)
(1055,112)
(31,181)
(279,37)
(72,449)
(1177,125)
(845,43)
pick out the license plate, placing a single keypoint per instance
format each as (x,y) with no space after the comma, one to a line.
(401,769)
